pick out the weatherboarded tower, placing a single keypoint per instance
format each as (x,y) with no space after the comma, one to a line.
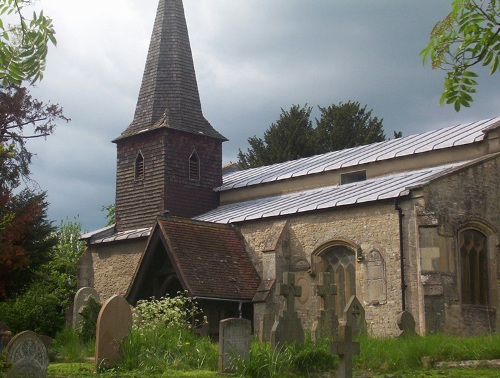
(170,157)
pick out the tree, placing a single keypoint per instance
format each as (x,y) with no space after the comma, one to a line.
(293,137)
(42,305)
(468,36)
(24,46)
(25,241)
(22,118)
(290,138)
(345,126)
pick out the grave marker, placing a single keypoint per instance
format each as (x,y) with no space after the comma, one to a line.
(326,324)
(113,325)
(80,302)
(345,348)
(287,327)
(406,324)
(354,316)
(27,356)
(5,335)
(234,342)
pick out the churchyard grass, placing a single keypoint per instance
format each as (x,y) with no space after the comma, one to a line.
(67,346)
(184,354)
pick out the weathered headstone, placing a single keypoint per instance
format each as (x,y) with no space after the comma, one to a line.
(234,343)
(354,316)
(27,356)
(113,325)
(345,348)
(287,327)
(266,326)
(406,324)
(327,322)
(80,302)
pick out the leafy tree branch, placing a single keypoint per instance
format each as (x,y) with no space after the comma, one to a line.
(468,36)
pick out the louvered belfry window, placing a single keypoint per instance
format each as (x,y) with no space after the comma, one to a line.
(139,167)
(194,167)
(474,263)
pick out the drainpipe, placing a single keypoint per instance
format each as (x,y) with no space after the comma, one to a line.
(401,253)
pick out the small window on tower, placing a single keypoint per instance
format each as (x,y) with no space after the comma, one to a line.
(139,167)
(194,167)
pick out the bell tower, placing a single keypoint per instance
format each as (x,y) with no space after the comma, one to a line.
(169,157)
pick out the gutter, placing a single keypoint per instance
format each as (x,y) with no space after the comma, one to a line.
(401,254)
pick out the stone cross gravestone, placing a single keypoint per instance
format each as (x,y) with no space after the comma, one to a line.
(113,325)
(354,316)
(326,324)
(234,343)
(27,356)
(345,348)
(406,324)
(287,327)
(81,300)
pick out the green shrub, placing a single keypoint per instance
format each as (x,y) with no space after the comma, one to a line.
(88,326)
(178,312)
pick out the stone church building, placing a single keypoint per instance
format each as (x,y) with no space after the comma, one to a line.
(410,223)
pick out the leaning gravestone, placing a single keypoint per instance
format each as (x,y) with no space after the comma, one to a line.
(287,327)
(113,324)
(345,348)
(406,324)
(27,356)
(326,324)
(234,343)
(354,316)
(81,300)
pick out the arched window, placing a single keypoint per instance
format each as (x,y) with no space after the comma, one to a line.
(139,167)
(340,260)
(473,246)
(194,167)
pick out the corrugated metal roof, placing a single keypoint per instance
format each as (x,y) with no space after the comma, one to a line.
(432,140)
(380,188)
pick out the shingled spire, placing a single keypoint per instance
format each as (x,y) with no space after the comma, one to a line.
(170,157)
(169,96)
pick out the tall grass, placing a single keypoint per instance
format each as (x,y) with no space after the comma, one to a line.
(67,346)
(156,349)
(396,354)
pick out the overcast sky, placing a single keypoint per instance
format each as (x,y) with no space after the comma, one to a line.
(252,58)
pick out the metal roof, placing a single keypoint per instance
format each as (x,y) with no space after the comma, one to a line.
(379,188)
(96,238)
(462,134)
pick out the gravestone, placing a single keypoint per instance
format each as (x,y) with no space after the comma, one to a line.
(345,348)
(287,327)
(234,343)
(354,316)
(27,356)
(266,326)
(80,302)
(406,324)
(327,322)
(113,325)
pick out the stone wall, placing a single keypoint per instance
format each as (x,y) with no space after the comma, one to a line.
(373,228)
(467,198)
(111,265)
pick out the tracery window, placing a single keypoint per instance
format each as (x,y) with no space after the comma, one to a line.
(341,263)
(474,266)
(194,167)
(139,167)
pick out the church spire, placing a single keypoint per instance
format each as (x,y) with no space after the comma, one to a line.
(169,96)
